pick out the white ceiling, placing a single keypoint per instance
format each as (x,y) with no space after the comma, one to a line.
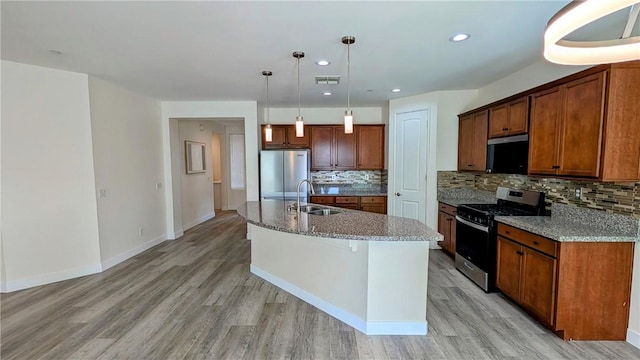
(216,50)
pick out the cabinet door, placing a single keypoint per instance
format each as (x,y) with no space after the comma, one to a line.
(498,125)
(479,150)
(518,117)
(465,143)
(344,150)
(444,228)
(581,142)
(452,234)
(508,268)
(538,284)
(278,137)
(321,144)
(370,152)
(297,142)
(544,134)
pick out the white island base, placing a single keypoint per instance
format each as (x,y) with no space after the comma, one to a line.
(377,287)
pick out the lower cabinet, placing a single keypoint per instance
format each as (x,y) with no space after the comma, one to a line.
(376,204)
(447,227)
(579,290)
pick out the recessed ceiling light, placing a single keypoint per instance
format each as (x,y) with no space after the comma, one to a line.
(323,62)
(459,37)
(395,90)
(326,93)
(55,52)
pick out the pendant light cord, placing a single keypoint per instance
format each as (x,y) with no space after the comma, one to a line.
(298,87)
(268,117)
(348,76)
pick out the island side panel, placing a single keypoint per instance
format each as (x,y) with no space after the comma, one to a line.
(326,268)
(397,290)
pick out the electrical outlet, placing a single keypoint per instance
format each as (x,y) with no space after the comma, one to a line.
(366,176)
(333,177)
(102,193)
(578,193)
(140,232)
(158,185)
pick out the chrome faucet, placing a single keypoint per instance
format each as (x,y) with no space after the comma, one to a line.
(299,185)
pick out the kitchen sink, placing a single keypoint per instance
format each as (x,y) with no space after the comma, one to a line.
(323,212)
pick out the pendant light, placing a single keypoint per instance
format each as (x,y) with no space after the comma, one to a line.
(268,132)
(348,114)
(581,13)
(299,121)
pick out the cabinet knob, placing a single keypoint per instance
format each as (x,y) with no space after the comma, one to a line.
(536,243)
(507,232)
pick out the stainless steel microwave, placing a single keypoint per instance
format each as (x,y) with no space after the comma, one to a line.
(508,155)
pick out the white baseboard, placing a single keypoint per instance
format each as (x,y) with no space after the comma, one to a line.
(368,328)
(175,235)
(109,263)
(44,279)
(198,221)
(633,338)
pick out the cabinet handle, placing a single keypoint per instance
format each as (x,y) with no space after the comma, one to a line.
(519,253)
(505,129)
(507,232)
(469,164)
(555,167)
(536,243)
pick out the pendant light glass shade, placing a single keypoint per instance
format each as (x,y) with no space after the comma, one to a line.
(348,122)
(348,114)
(268,132)
(299,120)
(580,13)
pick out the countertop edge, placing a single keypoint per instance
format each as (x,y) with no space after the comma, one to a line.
(513,221)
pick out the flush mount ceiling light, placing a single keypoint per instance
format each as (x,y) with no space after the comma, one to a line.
(395,90)
(268,132)
(348,114)
(326,93)
(299,121)
(580,13)
(459,37)
(323,62)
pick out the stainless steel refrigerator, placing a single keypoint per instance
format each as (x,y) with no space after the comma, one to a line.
(280,172)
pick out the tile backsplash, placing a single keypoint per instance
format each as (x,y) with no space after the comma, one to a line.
(350,177)
(621,198)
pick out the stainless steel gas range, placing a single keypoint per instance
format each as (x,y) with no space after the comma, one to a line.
(476,235)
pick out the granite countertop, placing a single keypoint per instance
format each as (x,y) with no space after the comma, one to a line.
(572,224)
(456,197)
(349,190)
(348,224)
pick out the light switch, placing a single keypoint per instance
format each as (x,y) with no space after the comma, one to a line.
(158,185)
(102,193)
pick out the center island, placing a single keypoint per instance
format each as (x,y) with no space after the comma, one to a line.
(365,269)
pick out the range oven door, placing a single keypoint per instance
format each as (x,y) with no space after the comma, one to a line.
(473,252)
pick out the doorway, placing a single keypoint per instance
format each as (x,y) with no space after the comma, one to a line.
(409,139)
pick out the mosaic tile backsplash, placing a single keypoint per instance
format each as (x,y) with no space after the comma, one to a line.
(377,177)
(620,198)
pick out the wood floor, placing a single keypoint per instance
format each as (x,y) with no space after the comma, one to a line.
(194,298)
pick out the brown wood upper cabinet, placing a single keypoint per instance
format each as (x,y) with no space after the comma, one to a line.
(588,127)
(370,154)
(284,137)
(472,142)
(509,119)
(332,149)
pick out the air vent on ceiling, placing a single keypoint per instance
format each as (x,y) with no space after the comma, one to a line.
(327,79)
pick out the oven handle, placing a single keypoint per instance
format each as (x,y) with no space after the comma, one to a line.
(475,226)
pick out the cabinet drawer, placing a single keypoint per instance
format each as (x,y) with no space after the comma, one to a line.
(525,238)
(451,210)
(346,199)
(372,199)
(380,209)
(323,199)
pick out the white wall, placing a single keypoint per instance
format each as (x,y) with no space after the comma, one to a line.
(633,334)
(127,153)
(533,75)
(362,115)
(196,189)
(49,216)
(235,198)
(171,111)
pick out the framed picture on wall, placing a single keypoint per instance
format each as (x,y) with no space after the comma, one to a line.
(195,157)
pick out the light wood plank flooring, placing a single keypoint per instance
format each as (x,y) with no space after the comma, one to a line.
(194,298)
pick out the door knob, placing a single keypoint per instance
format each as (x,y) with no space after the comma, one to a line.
(398,194)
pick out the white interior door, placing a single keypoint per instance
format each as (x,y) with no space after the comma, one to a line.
(410,164)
